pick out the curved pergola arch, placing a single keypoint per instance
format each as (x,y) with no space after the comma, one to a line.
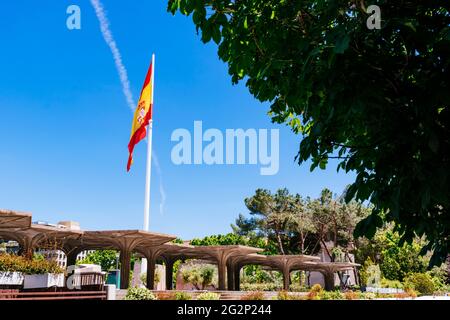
(153,246)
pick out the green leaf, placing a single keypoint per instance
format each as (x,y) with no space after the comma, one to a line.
(216,34)
(342,44)
(174,5)
(197,17)
(323,164)
(410,25)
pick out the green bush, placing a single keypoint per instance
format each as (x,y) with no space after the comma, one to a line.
(257,275)
(259,287)
(296,287)
(199,275)
(420,282)
(180,295)
(208,296)
(284,295)
(439,276)
(331,295)
(386,283)
(139,294)
(14,263)
(315,292)
(367,295)
(156,278)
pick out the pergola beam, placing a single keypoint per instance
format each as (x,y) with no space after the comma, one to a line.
(229,258)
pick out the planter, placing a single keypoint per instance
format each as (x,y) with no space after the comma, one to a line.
(8,278)
(47,280)
(384,290)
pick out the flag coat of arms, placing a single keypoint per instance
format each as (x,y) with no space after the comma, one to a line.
(142,115)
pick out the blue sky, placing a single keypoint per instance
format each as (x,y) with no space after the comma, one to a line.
(65,124)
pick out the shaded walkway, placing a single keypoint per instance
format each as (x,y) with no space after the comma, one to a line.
(154,246)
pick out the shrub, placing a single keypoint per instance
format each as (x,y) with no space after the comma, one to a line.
(351,295)
(165,295)
(367,295)
(14,263)
(331,295)
(139,294)
(440,277)
(256,274)
(296,287)
(285,295)
(180,295)
(409,293)
(296,297)
(156,278)
(315,292)
(386,283)
(259,287)
(421,282)
(316,288)
(256,295)
(208,296)
(199,275)
(384,295)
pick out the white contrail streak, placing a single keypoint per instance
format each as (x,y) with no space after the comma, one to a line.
(123,75)
(162,192)
(109,39)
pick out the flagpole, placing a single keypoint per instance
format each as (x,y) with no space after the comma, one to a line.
(149,159)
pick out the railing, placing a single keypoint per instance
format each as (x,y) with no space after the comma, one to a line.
(64,295)
(89,281)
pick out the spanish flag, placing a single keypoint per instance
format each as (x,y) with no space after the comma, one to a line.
(142,115)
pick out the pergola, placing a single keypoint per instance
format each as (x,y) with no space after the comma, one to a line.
(156,246)
(170,252)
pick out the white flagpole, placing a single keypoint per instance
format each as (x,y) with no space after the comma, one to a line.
(149,159)
(149,172)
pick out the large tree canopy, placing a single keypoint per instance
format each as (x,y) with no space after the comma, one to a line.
(300,226)
(375,99)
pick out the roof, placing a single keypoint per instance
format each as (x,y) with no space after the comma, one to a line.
(14,219)
(17,226)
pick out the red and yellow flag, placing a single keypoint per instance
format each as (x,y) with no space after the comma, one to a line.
(142,115)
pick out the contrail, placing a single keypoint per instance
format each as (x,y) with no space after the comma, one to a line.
(123,75)
(109,39)
(162,192)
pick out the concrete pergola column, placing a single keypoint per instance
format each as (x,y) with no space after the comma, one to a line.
(71,256)
(237,278)
(169,273)
(127,241)
(26,248)
(230,277)
(151,266)
(125,258)
(222,268)
(286,277)
(29,244)
(151,254)
(329,280)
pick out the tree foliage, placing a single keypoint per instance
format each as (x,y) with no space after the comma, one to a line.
(294,225)
(375,99)
(274,214)
(105,258)
(199,275)
(230,239)
(396,259)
